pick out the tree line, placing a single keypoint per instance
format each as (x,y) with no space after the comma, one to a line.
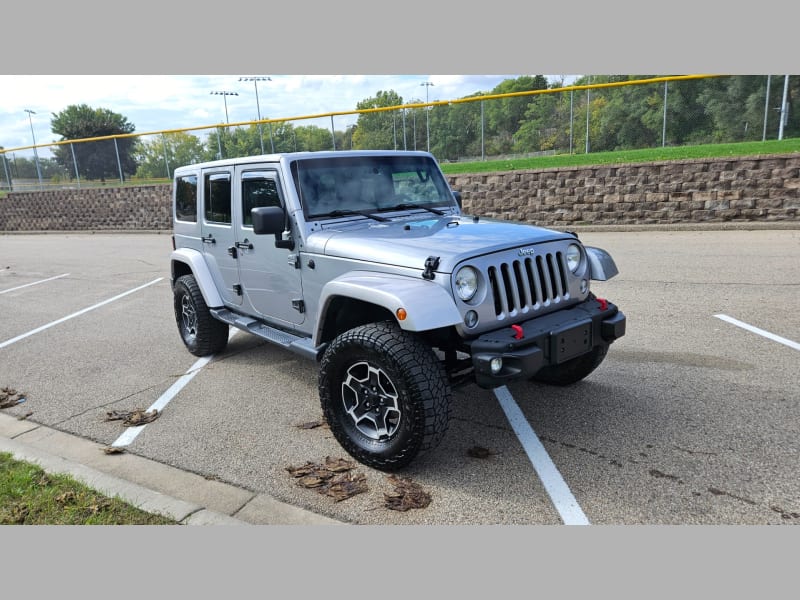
(711,110)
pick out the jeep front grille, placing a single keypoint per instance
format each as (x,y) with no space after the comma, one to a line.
(528,284)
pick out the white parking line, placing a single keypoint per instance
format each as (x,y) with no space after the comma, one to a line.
(131,433)
(19,287)
(761,332)
(76,314)
(560,494)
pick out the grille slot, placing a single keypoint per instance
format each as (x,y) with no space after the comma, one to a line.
(528,284)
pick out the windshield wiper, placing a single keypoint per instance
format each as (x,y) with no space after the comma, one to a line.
(406,206)
(344,213)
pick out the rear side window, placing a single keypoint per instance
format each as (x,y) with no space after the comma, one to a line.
(218,198)
(258,189)
(186,198)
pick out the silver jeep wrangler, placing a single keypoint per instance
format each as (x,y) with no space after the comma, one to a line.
(363,262)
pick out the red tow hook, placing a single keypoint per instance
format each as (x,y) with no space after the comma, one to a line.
(518,333)
(603,303)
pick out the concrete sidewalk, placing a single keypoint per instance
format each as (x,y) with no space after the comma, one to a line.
(188,498)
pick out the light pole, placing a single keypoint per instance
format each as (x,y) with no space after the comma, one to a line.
(255,81)
(224,95)
(225,100)
(427,85)
(35,153)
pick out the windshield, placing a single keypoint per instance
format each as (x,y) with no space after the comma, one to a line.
(337,186)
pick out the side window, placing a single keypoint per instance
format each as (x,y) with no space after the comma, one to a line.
(186,198)
(217,188)
(257,190)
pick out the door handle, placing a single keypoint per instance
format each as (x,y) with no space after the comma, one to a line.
(245,245)
(208,240)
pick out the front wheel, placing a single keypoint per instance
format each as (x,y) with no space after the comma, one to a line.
(201,333)
(384,394)
(572,370)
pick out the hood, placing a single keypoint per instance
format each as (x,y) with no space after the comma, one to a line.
(407,243)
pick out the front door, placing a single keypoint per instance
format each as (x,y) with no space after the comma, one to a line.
(218,235)
(269,276)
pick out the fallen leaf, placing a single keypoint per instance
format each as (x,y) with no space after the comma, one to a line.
(25,416)
(311,481)
(139,417)
(10,397)
(346,485)
(113,450)
(480,452)
(311,425)
(406,495)
(305,469)
(133,418)
(66,498)
(334,478)
(338,465)
(19,512)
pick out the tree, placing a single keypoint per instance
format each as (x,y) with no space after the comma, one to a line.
(378,130)
(98,159)
(312,138)
(159,156)
(505,117)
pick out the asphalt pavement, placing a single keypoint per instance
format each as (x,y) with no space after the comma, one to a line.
(691,419)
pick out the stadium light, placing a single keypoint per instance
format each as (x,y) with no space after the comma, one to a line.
(225,99)
(35,153)
(255,81)
(427,85)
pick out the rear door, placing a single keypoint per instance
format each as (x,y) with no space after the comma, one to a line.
(217,233)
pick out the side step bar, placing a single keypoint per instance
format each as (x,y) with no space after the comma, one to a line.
(298,344)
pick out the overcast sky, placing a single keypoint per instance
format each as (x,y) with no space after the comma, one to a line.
(156,102)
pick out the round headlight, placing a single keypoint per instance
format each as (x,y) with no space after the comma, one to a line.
(573,257)
(466,283)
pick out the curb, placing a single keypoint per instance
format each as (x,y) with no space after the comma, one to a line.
(206,502)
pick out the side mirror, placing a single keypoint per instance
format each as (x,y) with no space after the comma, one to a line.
(268,219)
(271,219)
(457,196)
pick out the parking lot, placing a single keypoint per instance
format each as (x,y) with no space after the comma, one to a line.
(691,419)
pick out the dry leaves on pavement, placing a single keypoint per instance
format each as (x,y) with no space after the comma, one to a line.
(406,495)
(334,478)
(10,397)
(134,417)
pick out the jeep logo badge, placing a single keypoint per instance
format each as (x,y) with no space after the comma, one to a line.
(526,251)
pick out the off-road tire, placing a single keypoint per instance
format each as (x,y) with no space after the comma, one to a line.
(573,370)
(393,369)
(201,333)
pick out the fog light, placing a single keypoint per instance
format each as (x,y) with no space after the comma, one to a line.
(496,365)
(471,319)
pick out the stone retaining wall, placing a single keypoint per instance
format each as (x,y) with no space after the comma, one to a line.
(144,207)
(753,189)
(692,191)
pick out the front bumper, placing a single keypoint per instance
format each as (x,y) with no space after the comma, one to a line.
(551,339)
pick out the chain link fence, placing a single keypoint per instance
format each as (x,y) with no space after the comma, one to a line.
(609,113)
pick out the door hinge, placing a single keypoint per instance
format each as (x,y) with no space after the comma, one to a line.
(299,306)
(294,260)
(237,288)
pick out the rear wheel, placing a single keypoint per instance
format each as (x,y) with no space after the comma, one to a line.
(201,333)
(384,394)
